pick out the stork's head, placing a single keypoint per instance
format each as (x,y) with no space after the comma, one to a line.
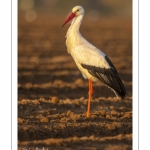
(76,11)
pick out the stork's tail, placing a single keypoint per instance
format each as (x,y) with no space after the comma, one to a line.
(120,91)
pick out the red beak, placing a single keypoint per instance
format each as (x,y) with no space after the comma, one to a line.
(71,16)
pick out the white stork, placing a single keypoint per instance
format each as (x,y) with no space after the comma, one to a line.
(92,62)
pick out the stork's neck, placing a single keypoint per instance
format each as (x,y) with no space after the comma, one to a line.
(74,36)
(76,22)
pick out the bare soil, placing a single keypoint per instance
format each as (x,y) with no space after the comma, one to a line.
(52,94)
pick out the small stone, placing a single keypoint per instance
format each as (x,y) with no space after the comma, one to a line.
(55,100)
(110,126)
(82,98)
(42,99)
(40,107)
(77,103)
(20,120)
(108,116)
(114,113)
(103,112)
(69,112)
(111,107)
(44,119)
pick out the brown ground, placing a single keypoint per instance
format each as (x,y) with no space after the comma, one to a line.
(52,94)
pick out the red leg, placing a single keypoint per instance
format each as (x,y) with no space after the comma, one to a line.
(90,97)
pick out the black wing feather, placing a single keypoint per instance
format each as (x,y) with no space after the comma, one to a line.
(108,76)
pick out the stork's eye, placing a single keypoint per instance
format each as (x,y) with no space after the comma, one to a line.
(77,10)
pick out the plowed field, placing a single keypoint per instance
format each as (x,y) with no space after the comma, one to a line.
(52,94)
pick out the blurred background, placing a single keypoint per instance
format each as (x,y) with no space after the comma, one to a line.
(31,9)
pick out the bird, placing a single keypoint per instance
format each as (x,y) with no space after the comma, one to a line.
(94,64)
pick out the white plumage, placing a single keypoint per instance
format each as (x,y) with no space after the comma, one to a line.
(92,62)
